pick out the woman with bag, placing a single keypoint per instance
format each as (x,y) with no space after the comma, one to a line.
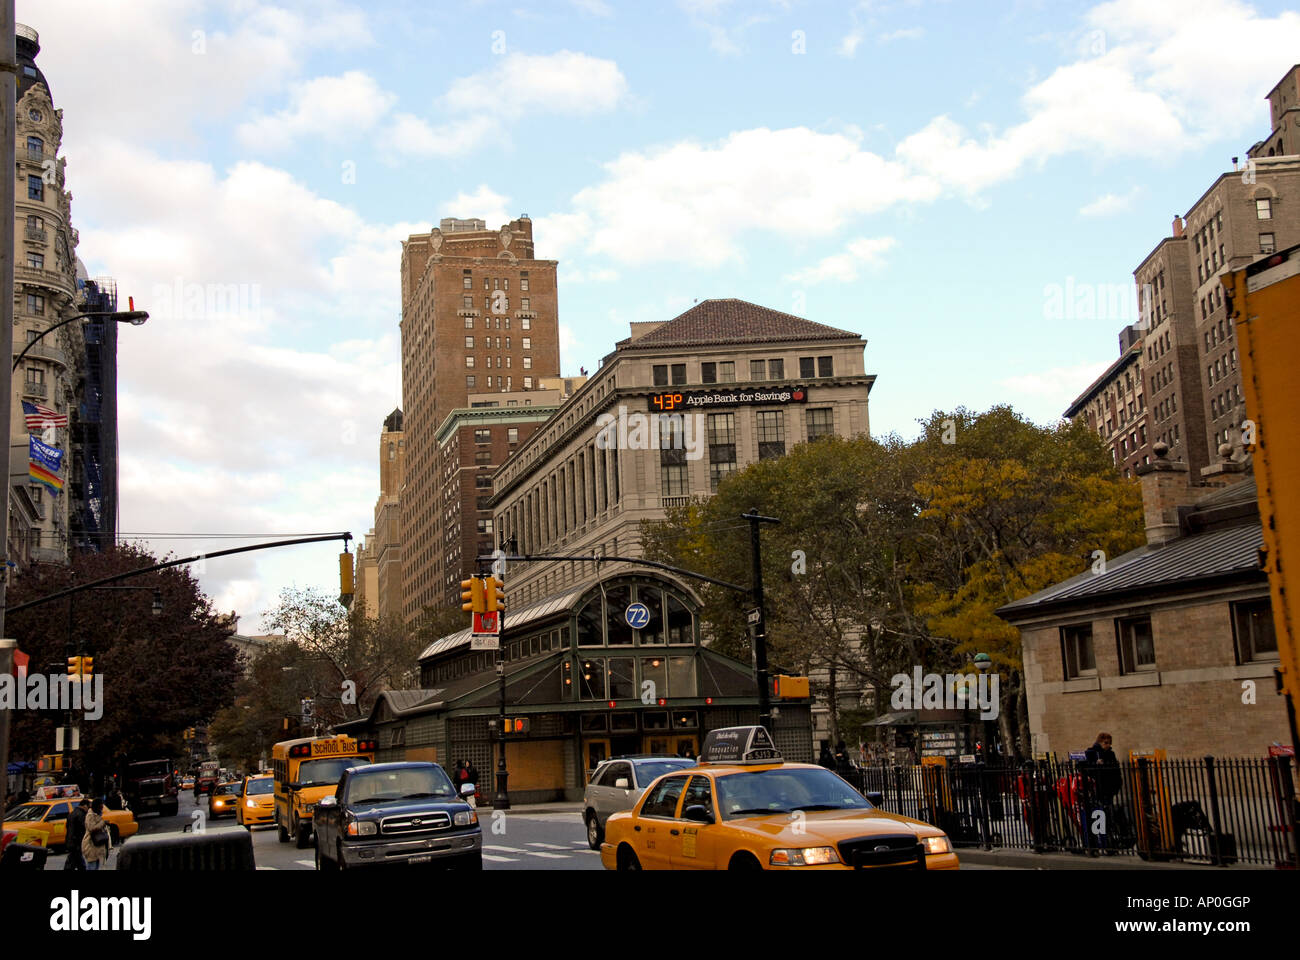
(97,842)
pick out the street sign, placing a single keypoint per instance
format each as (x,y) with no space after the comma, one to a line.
(637,615)
(488,641)
(753,615)
(966,758)
(487,623)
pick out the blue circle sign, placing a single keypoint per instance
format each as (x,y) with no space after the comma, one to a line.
(637,615)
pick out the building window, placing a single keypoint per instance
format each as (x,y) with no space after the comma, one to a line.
(825,368)
(722,447)
(807,368)
(528,383)
(482,436)
(468,302)
(672,477)
(483,456)
(1266,244)
(528,363)
(469,283)
(35,223)
(469,343)
(1137,650)
(661,375)
(1077,653)
(525,323)
(469,361)
(771,433)
(1264,209)
(35,376)
(776,369)
(757,370)
(679,374)
(35,188)
(36,304)
(470,382)
(484,527)
(820,423)
(469,323)
(528,343)
(708,373)
(523,284)
(36,261)
(1256,638)
(524,303)
(727,372)
(512,435)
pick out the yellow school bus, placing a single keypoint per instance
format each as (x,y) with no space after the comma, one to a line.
(306,770)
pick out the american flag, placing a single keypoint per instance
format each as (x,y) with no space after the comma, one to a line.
(39,417)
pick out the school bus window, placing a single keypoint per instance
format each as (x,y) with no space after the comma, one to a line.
(327,770)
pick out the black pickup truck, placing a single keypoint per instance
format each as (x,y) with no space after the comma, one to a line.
(396,813)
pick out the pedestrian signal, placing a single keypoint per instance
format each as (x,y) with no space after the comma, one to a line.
(516,725)
(790,688)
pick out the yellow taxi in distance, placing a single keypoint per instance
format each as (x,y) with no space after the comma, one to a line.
(743,808)
(223,801)
(257,805)
(44,821)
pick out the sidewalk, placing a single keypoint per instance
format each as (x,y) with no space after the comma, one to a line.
(1028,860)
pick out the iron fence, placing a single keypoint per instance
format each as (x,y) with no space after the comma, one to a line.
(1208,810)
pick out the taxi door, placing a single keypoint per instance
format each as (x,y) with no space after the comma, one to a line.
(695,845)
(656,827)
(56,818)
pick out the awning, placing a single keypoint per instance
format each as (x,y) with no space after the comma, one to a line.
(900,719)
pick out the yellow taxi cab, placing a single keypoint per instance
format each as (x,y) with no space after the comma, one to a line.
(257,805)
(744,808)
(44,820)
(223,801)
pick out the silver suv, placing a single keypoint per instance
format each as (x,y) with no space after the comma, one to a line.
(617,785)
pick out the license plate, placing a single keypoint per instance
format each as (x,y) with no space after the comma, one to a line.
(425,859)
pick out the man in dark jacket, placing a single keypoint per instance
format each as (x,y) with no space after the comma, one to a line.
(76,831)
(1101,768)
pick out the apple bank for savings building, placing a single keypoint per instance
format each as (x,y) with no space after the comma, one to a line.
(673,410)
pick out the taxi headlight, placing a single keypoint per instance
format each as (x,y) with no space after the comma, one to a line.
(937,844)
(466,817)
(250,804)
(362,828)
(807,857)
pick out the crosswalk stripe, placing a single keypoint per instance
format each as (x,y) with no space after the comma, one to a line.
(548,856)
(268,868)
(547,846)
(305,863)
(488,856)
(503,849)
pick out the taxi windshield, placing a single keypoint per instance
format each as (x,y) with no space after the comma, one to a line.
(321,773)
(256,787)
(229,788)
(27,812)
(783,791)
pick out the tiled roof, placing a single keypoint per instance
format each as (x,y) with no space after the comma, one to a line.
(733,321)
(1179,563)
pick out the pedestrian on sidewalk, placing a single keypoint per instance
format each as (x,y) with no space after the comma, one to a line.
(97,842)
(1101,767)
(76,833)
(827,759)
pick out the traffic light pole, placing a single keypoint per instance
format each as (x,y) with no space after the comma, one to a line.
(760,624)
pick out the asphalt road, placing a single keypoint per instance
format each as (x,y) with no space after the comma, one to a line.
(511,841)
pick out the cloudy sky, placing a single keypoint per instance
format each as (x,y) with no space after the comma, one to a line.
(929,173)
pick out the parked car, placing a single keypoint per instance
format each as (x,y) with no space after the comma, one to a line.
(617,784)
(396,813)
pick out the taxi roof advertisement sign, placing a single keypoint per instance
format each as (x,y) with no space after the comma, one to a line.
(739,745)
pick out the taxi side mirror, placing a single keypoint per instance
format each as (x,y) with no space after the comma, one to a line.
(875,797)
(698,813)
(295,784)
(621,783)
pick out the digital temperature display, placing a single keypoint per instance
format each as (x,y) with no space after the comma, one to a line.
(666,401)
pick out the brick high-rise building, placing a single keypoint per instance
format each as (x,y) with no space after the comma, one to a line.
(386,542)
(1186,352)
(479,313)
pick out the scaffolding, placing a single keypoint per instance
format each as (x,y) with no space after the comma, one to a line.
(92,519)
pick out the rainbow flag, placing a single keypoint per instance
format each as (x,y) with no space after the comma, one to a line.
(44,475)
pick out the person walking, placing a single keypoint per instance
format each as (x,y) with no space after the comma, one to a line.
(1101,767)
(826,759)
(97,842)
(76,833)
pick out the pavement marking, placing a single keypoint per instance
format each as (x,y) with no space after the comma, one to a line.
(268,868)
(548,856)
(503,849)
(488,856)
(547,846)
(306,863)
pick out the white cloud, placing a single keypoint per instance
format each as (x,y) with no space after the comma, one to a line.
(557,83)
(844,267)
(597,8)
(412,135)
(333,108)
(850,43)
(1057,386)
(484,203)
(692,202)
(907,33)
(1109,204)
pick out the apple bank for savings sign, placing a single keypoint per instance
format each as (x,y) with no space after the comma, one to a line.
(722,398)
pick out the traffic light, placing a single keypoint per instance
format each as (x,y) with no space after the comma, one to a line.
(494,589)
(345,574)
(790,688)
(516,725)
(74,666)
(472,592)
(87,666)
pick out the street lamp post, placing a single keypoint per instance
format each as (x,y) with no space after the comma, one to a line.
(990,765)
(133,317)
